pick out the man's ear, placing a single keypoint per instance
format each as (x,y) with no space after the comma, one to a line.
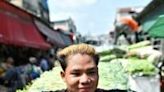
(62,74)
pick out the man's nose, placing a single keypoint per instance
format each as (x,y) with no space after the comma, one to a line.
(84,79)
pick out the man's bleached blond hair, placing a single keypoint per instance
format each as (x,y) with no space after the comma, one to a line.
(75,49)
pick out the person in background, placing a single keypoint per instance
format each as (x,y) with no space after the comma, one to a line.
(80,69)
(128,27)
(7,64)
(51,61)
(44,63)
(35,71)
(11,77)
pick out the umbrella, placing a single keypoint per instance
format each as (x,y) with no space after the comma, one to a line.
(157,29)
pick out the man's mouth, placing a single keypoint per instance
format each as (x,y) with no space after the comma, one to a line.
(85,89)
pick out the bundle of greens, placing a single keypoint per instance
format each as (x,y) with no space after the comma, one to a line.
(140,67)
(107,58)
(139,45)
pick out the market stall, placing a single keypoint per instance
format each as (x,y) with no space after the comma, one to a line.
(18,29)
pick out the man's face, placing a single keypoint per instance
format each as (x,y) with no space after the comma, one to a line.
(81,74)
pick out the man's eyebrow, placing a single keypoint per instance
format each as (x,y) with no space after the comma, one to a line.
(93,68)
(89,69)
(76,70)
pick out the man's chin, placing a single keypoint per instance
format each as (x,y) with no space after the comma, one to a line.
(86,90)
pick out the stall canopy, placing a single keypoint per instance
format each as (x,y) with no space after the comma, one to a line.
(55,37)
(18,29)
(150,14)
(157,29)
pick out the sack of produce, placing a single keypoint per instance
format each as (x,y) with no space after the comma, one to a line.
(144,83)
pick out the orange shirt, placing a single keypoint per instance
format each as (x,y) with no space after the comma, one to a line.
(130,22)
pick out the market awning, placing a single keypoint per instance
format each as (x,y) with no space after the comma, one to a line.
(53,36)
(148,22)
(157,29)
(147,25)
(149,15)
(18,29)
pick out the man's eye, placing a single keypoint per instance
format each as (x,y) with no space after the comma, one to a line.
(92,72)
(75,74)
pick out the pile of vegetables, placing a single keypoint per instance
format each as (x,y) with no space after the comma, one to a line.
(48,81)
(140,58)
(113,75)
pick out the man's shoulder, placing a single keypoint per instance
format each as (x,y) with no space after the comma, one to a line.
(97,90)
(103,90)
(63,90)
